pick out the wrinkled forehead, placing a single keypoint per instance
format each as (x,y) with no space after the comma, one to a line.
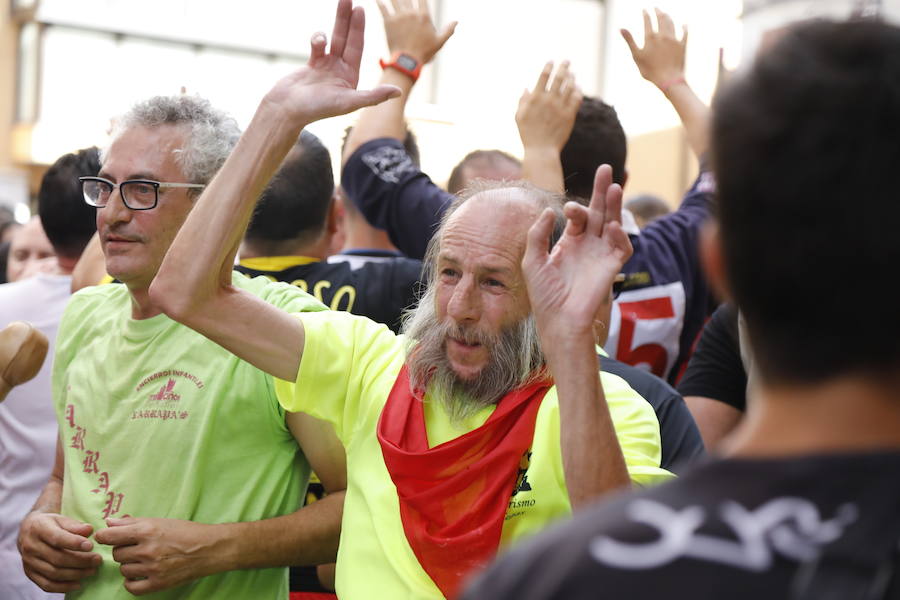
(515,208)
(492,225)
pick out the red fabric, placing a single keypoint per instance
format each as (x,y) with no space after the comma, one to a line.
(453,497)
(312,596)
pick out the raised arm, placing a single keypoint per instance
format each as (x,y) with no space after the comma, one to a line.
(661,62)
(193,285)
(545,118)
(410,32)
(567,287)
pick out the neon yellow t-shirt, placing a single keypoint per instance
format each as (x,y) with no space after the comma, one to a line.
(348,368)
(158,421)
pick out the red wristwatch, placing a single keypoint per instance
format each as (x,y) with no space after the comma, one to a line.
(404,63)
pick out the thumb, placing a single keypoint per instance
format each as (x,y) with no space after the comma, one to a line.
(538,243)
(75,526)
(377,95)
(118,522)
(629,39)
(446,33)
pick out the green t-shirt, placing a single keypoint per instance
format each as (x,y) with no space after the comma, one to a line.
(348,368)
(158,421)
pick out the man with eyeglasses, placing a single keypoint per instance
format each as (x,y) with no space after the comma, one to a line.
(174,455)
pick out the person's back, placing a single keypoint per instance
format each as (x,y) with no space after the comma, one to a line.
(28,429)
(808,506)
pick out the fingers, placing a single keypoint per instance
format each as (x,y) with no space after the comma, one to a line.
(538,242)
(629,39)
(341,27)
(562,73)
(446,33)
(577,217)
(613,212)
(52,585)
(377,95)
(544,77)
(121,532)
(353,50)
(666,26)
(317,46)
(648,25)
(602,181)
(606,201)
(383,9)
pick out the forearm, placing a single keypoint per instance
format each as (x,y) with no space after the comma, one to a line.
(385,120)
(193,285)
(91,266)
(694,115)
(542,167)
(50,500)
(308,536)
(592,458)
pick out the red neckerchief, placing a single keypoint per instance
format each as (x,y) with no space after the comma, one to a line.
(453,497)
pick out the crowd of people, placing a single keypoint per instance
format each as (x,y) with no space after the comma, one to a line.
(264,385)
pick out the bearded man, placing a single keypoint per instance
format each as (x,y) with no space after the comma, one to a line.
(488,419)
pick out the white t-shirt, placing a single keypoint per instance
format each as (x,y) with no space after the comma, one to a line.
(27,425)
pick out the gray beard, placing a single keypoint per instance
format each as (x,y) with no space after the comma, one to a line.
(515,359)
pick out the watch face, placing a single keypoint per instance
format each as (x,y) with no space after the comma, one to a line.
(407,62)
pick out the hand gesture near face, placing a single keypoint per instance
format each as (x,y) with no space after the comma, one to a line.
(568,285)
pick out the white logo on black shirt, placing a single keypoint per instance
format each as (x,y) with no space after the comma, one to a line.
(388,163)
(789,526)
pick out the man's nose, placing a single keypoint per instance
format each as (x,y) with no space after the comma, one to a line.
(465,304)
(115,210)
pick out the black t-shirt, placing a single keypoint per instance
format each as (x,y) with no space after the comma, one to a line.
(379,290)
(680,439)
(716,370)
(731,529)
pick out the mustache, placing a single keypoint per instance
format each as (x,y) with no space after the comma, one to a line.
(119,232)
(468,335)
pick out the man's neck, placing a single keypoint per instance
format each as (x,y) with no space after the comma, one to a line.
(141,305)
(318,250)
(365,236)
(66,264)
(851,414)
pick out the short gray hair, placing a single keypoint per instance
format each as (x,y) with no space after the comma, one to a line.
(211,133)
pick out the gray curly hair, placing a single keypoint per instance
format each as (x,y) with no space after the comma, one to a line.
(212,132)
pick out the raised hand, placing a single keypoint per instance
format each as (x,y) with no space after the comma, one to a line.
(661,60)
(546,113)
(410,29)
(569,284)
(56,552)
(158,554)
(326,86)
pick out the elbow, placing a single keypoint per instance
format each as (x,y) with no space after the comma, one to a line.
(172,299)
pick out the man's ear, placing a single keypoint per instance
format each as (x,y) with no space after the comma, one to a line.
(335,214)
(713,260)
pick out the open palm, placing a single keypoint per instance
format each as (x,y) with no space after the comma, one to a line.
(326,85)
(568,285)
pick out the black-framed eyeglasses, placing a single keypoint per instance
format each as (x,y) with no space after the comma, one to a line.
(137,194)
